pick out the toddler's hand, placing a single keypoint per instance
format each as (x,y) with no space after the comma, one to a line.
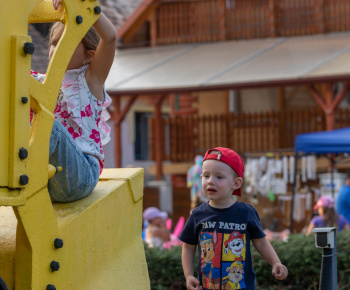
(279,271)
(56,3)
(193,284)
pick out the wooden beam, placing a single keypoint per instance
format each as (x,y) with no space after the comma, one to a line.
(158,144)
(340,96)
(153,28)
(318,98)
(328,102)
(281,109)
(328,96)
(320,7)
(227,101)
(134,22)
(117,133)
(121,116)
(281,102)
(272,18)
(222,16)
(118,118)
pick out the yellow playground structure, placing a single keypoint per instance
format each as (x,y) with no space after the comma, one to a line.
(93,243)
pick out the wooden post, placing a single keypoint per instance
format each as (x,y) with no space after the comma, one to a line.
(158,144)
(272,18)
(282,122)
(328,96)
(328,102)
(153,28)
(222,20)
(320,11)
(117,133)
(118,118)
(227,101)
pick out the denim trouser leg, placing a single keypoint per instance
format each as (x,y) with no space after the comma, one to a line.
(80,172)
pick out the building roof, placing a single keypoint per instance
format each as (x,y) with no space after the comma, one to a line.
(231,64)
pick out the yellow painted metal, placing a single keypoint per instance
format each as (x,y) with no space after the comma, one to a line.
(101,233)
(19,110)
(102,248)
(52,170)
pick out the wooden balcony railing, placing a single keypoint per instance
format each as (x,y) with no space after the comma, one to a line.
(182,21)
(192,135)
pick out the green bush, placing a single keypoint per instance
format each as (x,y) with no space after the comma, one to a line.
(299,254)
(165,268)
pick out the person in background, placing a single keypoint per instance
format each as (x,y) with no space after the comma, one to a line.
(156,232)
(194,182)
(342,202)
(327,217)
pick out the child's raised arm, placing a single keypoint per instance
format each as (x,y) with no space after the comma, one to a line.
(265,249)
(104,56)
(100,60)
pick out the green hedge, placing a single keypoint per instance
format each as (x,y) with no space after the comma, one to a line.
(299,254)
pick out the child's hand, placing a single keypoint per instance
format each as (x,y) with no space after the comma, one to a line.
(279,271)
(56,3)
(193,284)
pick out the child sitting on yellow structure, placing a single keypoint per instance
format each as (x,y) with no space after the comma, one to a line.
(79,129)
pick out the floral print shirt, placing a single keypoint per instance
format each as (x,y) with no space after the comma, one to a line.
(81,113)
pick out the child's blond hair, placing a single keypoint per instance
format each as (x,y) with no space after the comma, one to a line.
(90,40)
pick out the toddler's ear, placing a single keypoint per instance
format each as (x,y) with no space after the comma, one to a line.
(89,55)
(238,182)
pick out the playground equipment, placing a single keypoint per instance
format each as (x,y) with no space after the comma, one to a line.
(93,243)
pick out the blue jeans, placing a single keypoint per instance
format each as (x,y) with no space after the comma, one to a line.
(80,172)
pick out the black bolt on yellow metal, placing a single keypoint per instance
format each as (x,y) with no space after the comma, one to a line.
(79,19)
(28,48)
(23,153)
(24,100)
(54,266)
(23,179)
(97,9)
(50,287)
(58,243)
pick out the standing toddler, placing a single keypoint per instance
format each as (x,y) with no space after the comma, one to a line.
(222,230)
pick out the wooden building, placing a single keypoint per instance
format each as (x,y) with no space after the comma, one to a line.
(246,74)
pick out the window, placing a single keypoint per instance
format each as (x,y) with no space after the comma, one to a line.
(141,136)
(142,143)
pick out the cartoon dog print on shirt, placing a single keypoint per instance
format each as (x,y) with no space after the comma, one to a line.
(235,275)
(234,247)
(233,261)
(207,243)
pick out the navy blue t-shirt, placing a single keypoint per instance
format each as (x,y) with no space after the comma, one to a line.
(223,238)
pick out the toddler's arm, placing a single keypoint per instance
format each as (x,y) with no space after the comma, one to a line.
(104,56)
(265,249)
(102,59)
(188,253)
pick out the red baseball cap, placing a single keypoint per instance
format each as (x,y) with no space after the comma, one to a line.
(231,158)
